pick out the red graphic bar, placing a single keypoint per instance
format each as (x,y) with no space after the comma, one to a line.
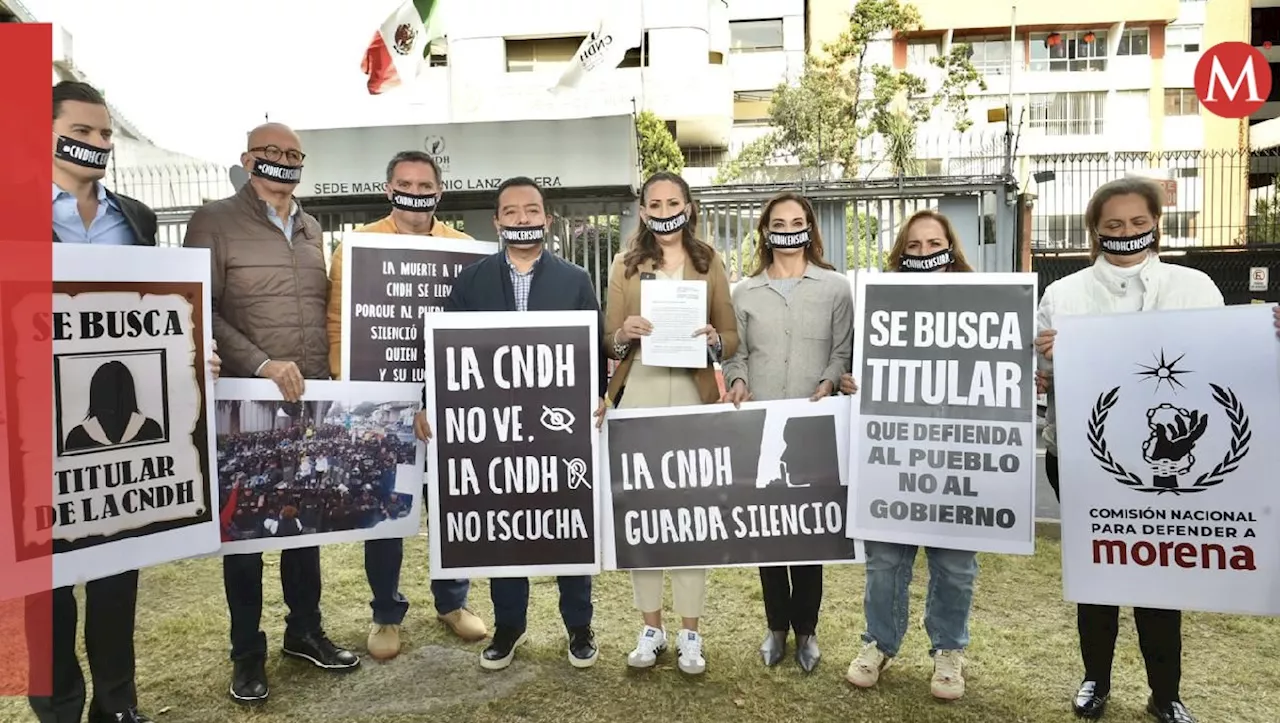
(26,280)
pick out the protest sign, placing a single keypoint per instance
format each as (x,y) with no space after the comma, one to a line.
(339,466)
(389,283)
(132,424)
(944,436)
(1166,427)
(719,486)
(512,463)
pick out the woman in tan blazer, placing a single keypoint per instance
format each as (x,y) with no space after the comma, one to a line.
(665,247)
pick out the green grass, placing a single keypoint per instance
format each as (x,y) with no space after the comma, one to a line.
(1023,662)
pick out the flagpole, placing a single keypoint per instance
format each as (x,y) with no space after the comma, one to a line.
(643,50)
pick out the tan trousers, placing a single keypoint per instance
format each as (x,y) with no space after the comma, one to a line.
(688,591)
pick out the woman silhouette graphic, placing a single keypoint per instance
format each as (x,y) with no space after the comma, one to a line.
(113,418)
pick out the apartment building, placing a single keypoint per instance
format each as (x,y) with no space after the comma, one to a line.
(1094,86)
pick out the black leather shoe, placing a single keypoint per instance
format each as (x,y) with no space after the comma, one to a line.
(1091,701)
(774,647)
(807,653)
(582,647)
(130,716)
(249,682)
(316,648)
(502,649)
(1172,712)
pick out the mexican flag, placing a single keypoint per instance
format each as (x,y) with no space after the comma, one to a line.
(399,46)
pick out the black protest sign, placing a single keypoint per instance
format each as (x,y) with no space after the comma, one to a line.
(945,438)
(393,281)
(751,486)
(514,465)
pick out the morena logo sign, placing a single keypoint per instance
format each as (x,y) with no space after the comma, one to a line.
(1233,80)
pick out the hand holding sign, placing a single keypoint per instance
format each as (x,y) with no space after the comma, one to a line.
(847,384)
(421,427)
(1044,343)
(737,394)
(287,378)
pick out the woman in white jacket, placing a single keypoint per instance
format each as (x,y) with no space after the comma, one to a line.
(1123,221)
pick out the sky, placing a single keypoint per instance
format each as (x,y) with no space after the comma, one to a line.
(194,76)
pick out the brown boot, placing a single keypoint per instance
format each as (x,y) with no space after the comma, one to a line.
(465,625)
(384,641)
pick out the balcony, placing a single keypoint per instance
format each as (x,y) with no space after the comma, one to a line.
(699,100)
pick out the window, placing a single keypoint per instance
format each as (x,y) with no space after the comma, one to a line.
(755,36)
(989,54)
(1076,51)
(1135,42)
(1183,38)
(1059,231)
(921,51)
(1180,224)
(524,56)
(438,54)
(635,57)
(1181,101)
(1068,114)
(751,107)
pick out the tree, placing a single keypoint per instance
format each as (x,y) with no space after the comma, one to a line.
(840,100)
(862,245)
(658,148)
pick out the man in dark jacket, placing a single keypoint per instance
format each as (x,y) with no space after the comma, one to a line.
(86,212)
(270,289)
(525,277)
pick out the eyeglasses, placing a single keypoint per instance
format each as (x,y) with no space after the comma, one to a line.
(275,153)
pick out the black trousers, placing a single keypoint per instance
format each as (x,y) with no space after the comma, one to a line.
(300,582)
(110,609)
(792,596)
(1159,634)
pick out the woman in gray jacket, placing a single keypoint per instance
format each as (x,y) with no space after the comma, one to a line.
(795,330)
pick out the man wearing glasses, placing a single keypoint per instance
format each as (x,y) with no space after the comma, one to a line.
(270,290)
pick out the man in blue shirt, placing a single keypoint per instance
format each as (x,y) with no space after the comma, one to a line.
(523,276)
(84,211)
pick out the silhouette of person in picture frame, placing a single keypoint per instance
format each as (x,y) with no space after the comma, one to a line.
(113,417)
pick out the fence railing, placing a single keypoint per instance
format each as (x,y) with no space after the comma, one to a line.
(1213,198)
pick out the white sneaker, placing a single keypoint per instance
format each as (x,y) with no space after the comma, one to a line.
(948,675)
(865,669)
(689,649)
(651,644)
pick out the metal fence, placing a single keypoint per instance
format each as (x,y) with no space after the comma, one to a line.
(1213,198)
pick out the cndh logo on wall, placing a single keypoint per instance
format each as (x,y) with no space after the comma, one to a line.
(1233,80)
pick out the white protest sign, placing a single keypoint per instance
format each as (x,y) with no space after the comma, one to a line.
(1166,430)
(943,424)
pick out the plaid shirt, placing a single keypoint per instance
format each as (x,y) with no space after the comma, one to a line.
(520,283)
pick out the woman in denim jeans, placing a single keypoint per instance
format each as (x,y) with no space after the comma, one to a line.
(926,243)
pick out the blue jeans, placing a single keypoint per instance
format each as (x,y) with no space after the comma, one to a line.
(511,601)
(382,560)
(947,603)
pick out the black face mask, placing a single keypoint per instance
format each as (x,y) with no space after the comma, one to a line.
(668,225)
(81,154)
(932,262)
(789,239)
(522,236)
(1127,245)
(413,202)
(276,172)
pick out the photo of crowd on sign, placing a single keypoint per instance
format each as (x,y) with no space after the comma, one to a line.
(312,467)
